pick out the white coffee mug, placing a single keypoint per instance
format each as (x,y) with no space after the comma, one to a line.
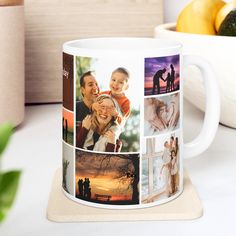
(123,121)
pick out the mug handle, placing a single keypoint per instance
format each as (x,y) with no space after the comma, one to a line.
(212,110)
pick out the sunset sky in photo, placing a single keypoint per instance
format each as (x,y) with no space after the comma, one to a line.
(152,65)
(103,180)
(69,116)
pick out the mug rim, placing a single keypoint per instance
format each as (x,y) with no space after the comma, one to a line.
(121,45)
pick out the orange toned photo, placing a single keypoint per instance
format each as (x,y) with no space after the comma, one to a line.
(107,178)
(68,126)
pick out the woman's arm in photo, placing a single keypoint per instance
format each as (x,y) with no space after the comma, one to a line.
(111,141)
(158,124)
(174,118)
(150,109)
(175,110)
(170,114)
(83,131)
(113,144)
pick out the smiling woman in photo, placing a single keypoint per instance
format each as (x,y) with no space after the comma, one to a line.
(100,130)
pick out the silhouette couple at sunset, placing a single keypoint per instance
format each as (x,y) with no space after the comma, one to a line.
(84,188)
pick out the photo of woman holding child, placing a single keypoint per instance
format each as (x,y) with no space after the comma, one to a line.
(105,119)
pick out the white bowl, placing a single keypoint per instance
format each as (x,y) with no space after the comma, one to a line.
(220,51)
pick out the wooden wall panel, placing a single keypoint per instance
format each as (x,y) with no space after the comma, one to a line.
(50,23)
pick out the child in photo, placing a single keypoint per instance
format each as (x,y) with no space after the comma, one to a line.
(119,83)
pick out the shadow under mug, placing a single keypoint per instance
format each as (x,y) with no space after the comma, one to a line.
(122,121)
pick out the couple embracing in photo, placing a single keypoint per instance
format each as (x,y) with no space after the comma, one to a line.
(101,115)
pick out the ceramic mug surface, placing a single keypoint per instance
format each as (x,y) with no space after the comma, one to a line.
(122,121)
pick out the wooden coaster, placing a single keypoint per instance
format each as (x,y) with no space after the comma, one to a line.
(61,209)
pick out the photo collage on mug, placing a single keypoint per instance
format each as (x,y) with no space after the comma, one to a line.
(160,153)
(68,124)
(106,138)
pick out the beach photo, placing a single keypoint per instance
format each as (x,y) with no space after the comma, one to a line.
(162,75)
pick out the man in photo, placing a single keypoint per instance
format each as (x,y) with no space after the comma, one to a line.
(89,90)
(156,80)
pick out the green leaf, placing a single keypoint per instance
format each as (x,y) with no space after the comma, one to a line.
(8,186)
(5,134)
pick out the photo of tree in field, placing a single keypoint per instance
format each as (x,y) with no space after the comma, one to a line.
(68,126)
(107,178)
